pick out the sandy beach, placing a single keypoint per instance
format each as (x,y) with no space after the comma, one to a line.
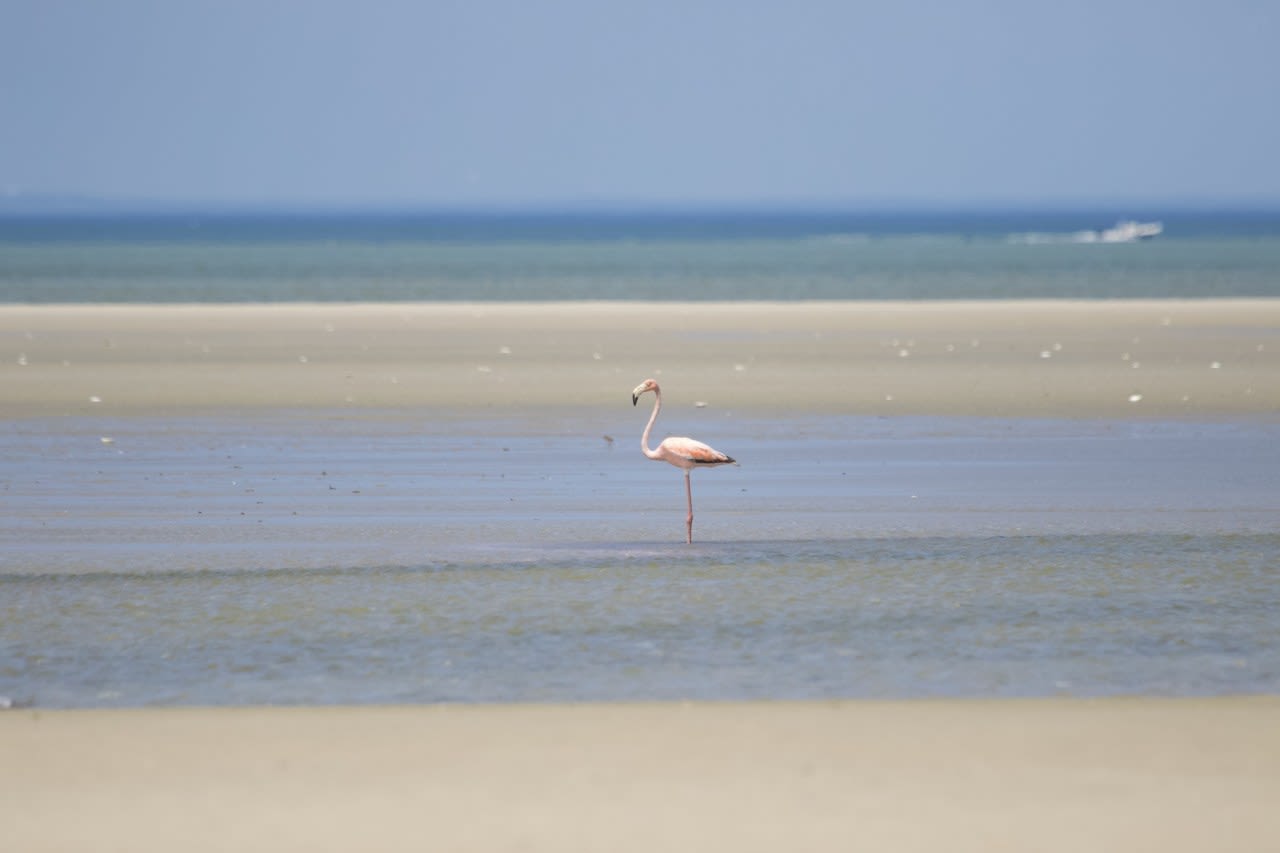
(1209,358)
(1123,775)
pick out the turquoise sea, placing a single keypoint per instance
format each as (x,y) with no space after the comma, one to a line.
(372,557)
(647,256)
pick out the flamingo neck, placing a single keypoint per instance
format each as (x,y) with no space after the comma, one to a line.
(644,439)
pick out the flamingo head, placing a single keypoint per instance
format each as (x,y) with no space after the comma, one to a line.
(647,385)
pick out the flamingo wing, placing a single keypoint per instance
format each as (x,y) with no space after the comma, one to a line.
(694,451)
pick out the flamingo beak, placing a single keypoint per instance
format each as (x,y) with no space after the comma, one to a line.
(634,399)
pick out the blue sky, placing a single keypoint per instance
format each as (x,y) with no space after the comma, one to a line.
(559,102)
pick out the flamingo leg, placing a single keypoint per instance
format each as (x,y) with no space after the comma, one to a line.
(688,522)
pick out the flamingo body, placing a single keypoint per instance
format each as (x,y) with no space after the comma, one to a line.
(685,453)
(688,453)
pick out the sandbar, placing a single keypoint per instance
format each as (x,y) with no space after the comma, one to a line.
(1120,358)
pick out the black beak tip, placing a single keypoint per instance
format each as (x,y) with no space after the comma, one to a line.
(634,398)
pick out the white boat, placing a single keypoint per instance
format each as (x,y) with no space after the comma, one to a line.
(1130,231)
(1124,231)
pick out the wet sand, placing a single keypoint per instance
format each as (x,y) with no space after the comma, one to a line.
(1121,774)
(1162,358)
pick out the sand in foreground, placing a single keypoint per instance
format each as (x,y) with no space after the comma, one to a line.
(1070,775)
(1153,358)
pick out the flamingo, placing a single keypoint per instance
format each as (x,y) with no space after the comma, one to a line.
(683,453)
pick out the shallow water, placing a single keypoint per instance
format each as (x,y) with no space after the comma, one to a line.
(399,558)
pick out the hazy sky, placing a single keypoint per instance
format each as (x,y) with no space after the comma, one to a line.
(544,102)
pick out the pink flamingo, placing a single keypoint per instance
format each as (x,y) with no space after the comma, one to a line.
(681,452)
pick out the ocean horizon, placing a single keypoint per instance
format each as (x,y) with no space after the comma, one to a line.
(88,219)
